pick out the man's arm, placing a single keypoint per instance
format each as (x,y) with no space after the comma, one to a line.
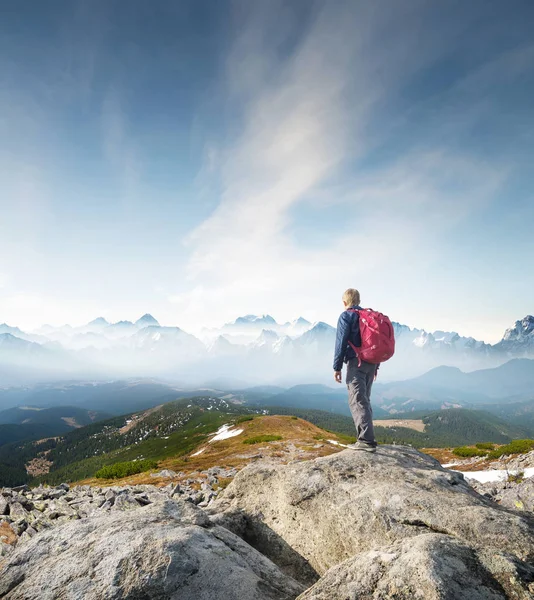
(342,337)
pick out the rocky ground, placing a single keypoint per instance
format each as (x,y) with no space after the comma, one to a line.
(393,525)
(25,511)
(517,494)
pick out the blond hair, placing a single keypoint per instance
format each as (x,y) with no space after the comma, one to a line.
(351,297)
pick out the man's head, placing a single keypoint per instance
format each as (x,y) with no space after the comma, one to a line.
(351,297)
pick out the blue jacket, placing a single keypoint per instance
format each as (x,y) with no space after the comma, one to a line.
(348,328)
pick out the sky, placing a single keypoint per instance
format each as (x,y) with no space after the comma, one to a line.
(202,160)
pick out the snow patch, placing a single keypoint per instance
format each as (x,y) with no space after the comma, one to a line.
(224,432)
(496,474)
(198,452)
(337,443)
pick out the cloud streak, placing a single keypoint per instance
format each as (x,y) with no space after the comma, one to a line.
(307,116)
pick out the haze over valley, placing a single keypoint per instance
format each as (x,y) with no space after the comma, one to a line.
(252,350)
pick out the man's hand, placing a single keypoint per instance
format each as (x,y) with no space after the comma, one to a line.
(337,376)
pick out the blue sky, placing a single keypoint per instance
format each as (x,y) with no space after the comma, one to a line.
(202,160)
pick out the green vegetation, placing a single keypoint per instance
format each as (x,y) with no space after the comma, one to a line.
(489,450)
(29,431)
(485,446)
(443,428)
(262,438)
(469,452)
(516,477)
(244,418)
(514,447)
(175,429)
(124,469)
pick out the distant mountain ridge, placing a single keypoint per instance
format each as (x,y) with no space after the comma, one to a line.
(255,348)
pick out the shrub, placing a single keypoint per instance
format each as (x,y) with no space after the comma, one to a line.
(124,469)
(262,438)
(514,447)
(516,477)
(468,452)
(485,446)
(294,418)
(244,418)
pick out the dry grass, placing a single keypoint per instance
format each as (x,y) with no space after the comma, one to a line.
(7,535)
(299,439)
(137,418)
(71,421)
(416,424)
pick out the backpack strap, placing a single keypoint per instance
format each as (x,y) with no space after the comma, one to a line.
(355,310)
(355,352)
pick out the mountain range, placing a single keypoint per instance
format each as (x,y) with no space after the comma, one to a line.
(251,350)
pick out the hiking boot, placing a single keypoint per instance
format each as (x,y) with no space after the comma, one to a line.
(362,446)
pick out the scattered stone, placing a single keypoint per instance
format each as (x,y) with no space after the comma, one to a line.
(3,506)
(110,496)
(125,502)
(40,505)
(164,473)
(17,511)
(517,495)
(54,494)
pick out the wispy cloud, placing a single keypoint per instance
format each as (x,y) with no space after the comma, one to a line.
(120,148)
(307,115)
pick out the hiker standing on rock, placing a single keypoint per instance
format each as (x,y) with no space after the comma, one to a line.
(364,339)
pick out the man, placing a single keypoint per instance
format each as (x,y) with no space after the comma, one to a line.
(360,374)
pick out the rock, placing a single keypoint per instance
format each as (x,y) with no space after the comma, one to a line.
(21,488)
(57,493)
(142,499)
(176,490)
(61,508)
(519,496)
(63,486)
(17,511)
(110,496)
(196,498)
(125,502)
(169,553)
(426,567)
(310,516)
(19,526)
(164,473)
(42,523)
(98,500)
(3,506)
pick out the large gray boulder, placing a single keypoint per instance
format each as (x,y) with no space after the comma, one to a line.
(311,516)
(166,550)
(427,567)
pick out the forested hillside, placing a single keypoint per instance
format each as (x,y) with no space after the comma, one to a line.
(444,428)
(172,429)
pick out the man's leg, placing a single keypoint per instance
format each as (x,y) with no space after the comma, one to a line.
(359,384)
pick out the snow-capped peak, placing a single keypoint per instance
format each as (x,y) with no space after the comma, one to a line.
(146,320)
(98,322)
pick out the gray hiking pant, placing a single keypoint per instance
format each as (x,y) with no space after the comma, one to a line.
(359,382)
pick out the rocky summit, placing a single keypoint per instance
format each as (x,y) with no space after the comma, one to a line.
(393,525)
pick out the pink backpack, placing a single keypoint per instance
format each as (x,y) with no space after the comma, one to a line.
(378,337)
